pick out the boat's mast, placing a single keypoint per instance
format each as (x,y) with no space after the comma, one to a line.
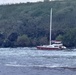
(50,24)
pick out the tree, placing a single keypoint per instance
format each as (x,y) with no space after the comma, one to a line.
(43,41)
(13,36)
(69,39)
(2,38)
(34,42)
(60,37)
(8,43)
(23,40)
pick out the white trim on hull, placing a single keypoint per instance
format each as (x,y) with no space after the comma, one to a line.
(51,47)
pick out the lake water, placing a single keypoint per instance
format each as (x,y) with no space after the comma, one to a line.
(30,61)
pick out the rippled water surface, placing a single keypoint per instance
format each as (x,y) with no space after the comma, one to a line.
(30,61)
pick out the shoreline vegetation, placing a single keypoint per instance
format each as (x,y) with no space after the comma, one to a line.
(27,24)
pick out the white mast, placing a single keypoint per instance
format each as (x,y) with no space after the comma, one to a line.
(50,24)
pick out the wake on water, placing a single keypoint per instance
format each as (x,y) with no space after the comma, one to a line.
(33,58)
(41,66)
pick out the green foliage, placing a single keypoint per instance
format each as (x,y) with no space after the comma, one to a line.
(32,19)
(34,42)
(43,41)
(23,41)
(13,37)
(69,39)
(8,43)
(60,37)
(2,37)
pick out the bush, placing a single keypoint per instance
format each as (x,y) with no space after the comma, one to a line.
(23,41)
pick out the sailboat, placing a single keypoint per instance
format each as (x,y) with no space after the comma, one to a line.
(57,45)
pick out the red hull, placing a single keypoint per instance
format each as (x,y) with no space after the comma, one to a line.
(45,48)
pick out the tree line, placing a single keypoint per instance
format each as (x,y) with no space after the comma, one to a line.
(27,24)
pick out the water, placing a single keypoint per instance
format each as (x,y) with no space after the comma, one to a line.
(30,61)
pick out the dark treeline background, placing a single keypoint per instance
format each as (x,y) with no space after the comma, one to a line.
(27,24)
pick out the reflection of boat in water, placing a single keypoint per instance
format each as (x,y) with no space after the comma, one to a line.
(54,45)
